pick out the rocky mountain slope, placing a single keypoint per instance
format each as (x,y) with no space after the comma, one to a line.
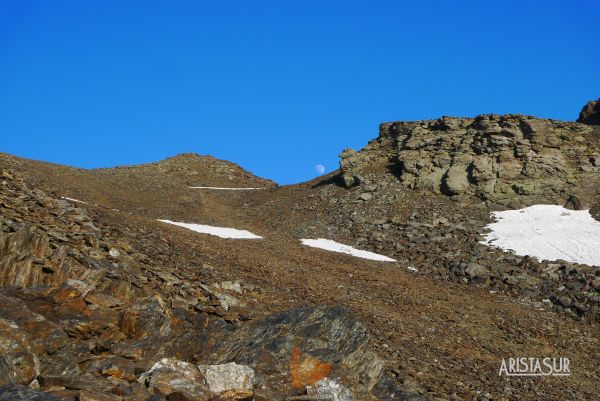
(100,301)
(139,189)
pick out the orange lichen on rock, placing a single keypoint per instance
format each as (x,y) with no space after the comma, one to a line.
(306,370)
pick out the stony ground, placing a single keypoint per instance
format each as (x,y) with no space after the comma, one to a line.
(141,290)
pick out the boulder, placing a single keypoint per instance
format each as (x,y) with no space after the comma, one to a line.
(456,181)
(295,349)
(477,273)
(170,376)
(231,378)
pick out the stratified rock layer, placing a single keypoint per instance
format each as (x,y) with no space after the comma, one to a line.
(511,160)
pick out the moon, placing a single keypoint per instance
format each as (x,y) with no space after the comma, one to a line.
(319,168)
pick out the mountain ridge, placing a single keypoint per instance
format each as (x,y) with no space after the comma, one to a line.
(106,302)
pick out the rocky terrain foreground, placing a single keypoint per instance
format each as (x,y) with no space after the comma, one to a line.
(101,301)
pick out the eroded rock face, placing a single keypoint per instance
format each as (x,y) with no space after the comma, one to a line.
(508,160)
(590,113)
(295,349)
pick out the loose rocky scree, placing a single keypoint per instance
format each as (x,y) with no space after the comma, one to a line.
(88,315)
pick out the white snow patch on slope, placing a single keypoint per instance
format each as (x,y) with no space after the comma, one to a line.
(333,246)
(547,232)
(223,232)
(227,189)
(72,199)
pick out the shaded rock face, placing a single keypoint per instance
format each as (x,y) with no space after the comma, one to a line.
(595,209)
(590,113)
(16,392)
(295,349)
(510,160)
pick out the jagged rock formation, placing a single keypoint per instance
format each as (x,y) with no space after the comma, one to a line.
(590,113)
(507,160)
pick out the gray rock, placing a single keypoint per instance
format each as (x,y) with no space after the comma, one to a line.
(456,181)
(366,196)
(170,375)
(348,180)
(291,350)
(329,389)
(388,389)
(474,270)
(16,392)
(228,377)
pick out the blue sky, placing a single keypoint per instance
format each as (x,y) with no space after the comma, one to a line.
(276,86)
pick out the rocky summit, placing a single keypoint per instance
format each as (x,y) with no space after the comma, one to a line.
(509,160)
(590,113)
(101,300)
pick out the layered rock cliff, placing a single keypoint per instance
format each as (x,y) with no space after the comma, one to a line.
(510,160)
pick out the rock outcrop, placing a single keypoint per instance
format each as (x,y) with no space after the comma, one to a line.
(590,113)
(294,350)
(510,160)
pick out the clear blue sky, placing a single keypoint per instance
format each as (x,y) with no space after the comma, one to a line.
(276,86)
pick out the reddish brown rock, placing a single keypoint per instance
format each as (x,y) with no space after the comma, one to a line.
(306,370)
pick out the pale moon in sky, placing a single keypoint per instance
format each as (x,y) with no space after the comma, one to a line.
(319,168)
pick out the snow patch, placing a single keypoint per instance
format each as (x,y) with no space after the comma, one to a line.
(72,199)
(333,246)
(547,232)
(223,232)
(227,189)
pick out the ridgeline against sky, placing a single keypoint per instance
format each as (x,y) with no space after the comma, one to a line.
(279,87)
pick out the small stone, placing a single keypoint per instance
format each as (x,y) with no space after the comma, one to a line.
(231,286)
(366,196)
(101,299)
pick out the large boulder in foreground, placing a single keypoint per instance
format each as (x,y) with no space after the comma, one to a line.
(590,113)
(293,350)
